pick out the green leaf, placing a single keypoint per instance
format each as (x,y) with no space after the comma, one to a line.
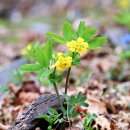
(49,128)
(45,73)
(70,109)
(64,111)
(38,54)
(79,95)
(66,97)
(123,18)
(79,99)
(84,104)
(88,121)
(94,116)
(125,55)
(47,53)
(89,33)
(61,120)
(3,89)
(74,115)
(81,28)
(31,67)
(76,60)
(56,37)
(52,111)
(46,117)
(69,32)
(56,79)
(72,100)
(97,43)
(43,55)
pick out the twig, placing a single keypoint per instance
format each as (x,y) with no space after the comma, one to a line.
(57,92)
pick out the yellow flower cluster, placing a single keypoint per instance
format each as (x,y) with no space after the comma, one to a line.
(78,46)
(123,3)
(57,55)
(26,49)
(63,63)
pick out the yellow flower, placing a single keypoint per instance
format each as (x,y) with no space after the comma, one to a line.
(26,49)
(57,55)
(80,40)
(123,3)
(63,63)
(78,46)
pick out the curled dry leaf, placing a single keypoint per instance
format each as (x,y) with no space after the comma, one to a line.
(95,106)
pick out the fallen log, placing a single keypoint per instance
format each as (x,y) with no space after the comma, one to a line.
(28,119)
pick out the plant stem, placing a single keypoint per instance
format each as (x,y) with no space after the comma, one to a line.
(68,116)
(67,78)
(57,92)
(58,96)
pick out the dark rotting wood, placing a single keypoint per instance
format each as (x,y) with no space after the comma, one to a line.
(28,119)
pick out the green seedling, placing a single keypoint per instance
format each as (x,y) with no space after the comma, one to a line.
(52,117)
(3,89)
(123,18)
(88,121)
(17,77)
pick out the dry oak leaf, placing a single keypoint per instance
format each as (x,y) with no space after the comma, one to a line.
(95,106)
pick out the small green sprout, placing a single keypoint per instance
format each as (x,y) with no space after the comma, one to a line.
(88,121)
(3,89)
(72,102)
(51,118)
(17,77)
(124,55)
(123,18)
